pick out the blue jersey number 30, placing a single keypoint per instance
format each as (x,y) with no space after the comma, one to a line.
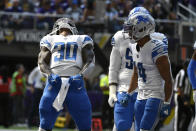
(66,51)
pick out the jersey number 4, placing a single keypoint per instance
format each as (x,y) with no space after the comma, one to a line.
(141,71)
(66,51)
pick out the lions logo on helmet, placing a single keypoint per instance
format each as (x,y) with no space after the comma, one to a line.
(64,23)
(139,25)
(138,10)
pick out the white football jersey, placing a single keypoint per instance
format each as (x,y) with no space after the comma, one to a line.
(66,52)
(194,47)
(150,82)
(121,62)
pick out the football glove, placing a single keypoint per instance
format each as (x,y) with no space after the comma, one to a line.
(165,110)
(112,95)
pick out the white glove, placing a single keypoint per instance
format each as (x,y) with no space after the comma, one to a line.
(112,96)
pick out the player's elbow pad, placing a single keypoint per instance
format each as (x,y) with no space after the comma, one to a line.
(191,73)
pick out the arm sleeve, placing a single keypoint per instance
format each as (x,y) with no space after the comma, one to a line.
(115,63)
(87,40)
(46,42)
(191,73)
(161,49)
(33,75)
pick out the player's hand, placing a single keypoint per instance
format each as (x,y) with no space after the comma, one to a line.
(112,95)
(54,80)
(165,110)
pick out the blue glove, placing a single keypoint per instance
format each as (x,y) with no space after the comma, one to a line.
(76,80)
(54,80)
(125,99)
(165,110)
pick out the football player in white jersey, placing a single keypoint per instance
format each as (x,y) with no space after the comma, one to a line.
(151,74)
(120,70)
(63,57)
(192,77)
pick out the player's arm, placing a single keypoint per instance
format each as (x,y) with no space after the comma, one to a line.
(114,67)
(163,66)
(191,70)
(44,60)
(87,55)
(134,81)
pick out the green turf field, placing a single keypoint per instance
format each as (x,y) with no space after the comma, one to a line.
(23,128)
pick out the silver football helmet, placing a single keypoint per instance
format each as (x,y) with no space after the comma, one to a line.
(64,23)
(138,25)
(138,10)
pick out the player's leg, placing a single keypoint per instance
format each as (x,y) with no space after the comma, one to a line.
(123,115)
(79,106)
(139,111)
(47,112)
(151,114)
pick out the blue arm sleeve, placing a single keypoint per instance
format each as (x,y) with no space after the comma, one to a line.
(191,73)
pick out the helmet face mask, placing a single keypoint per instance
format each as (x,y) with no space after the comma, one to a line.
(65,23)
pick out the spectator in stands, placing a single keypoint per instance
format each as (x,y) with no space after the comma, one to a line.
(110,17)
(158,12)
(44,22)
(192,6)
(148,4)
(15,7)
(27,6)
(56,4)
(4,97)
(89,10)
(126,9)
(17,89)
(74,11)
(36,80)
(59,10)
(107,111)
(2,5)
(14,21)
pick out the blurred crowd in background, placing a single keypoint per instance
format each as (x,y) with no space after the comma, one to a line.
(84,10)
